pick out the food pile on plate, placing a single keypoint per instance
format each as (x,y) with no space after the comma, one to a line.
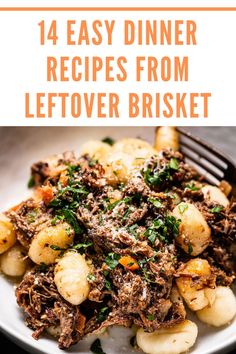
(126,234)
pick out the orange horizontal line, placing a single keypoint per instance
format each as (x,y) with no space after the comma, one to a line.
(117,8)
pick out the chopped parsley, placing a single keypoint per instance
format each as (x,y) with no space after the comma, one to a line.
(126,200)
(31,216)
(103,313)
(174,164)
(57,248)
(192,187)
(112,260)
(216,209)
(56,218)
(92,162)
(160,175)
(155,202)
(190,248)
(182,207)
(107,284)
(68,231)
(96,347)
(78,246)
(173,224)
(43,267)
(150,317)
(31,182)
(164,229)
(108,140)
(152,237)
(133,229)
(70,217)
(75,190)
(149,275)
(91,277)
(72,169)
(68,198)
(126,214)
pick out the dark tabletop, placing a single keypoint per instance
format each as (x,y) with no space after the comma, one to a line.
(224,138)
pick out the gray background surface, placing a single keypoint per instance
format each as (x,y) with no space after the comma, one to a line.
(222,137)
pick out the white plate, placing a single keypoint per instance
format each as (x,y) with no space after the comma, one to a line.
(19,148)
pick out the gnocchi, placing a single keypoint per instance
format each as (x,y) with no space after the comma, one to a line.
(117,167)
(166,137)
(214,194)
(7,234)
(223,309)
(134,147)
(174,340)
(126,157)
(96,149)
(196,295)
(14,262)
(194,232)
(70,277)
(43,248)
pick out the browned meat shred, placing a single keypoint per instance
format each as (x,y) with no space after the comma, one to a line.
(38,296)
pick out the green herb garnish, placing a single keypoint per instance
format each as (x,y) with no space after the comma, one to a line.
(173,224)
(74,190)
(96,347)
(174,164)
(72,169)
(216,209)
(57,248)
(164,229)
(149,276)
(108,140)
(182,207)
(190,248)
(56,218)
(107,284)
(70,217)
(112,260)
(192,187)
(133,229)
(91,277)
(150,317)
(160,175)
(92,162)
(31,182)
(103,313)
(155,202)
(43,267)
(78,246)
(126,200)
(31,216)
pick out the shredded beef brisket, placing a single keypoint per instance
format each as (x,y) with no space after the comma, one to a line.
(38,296)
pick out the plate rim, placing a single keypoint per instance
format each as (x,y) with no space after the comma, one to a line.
(29,343)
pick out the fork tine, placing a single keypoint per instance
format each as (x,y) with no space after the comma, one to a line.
(207,176)
(210,162)
(205,154)
(203,163)
(206,146)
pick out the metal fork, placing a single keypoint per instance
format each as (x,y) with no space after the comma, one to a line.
(207,160)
